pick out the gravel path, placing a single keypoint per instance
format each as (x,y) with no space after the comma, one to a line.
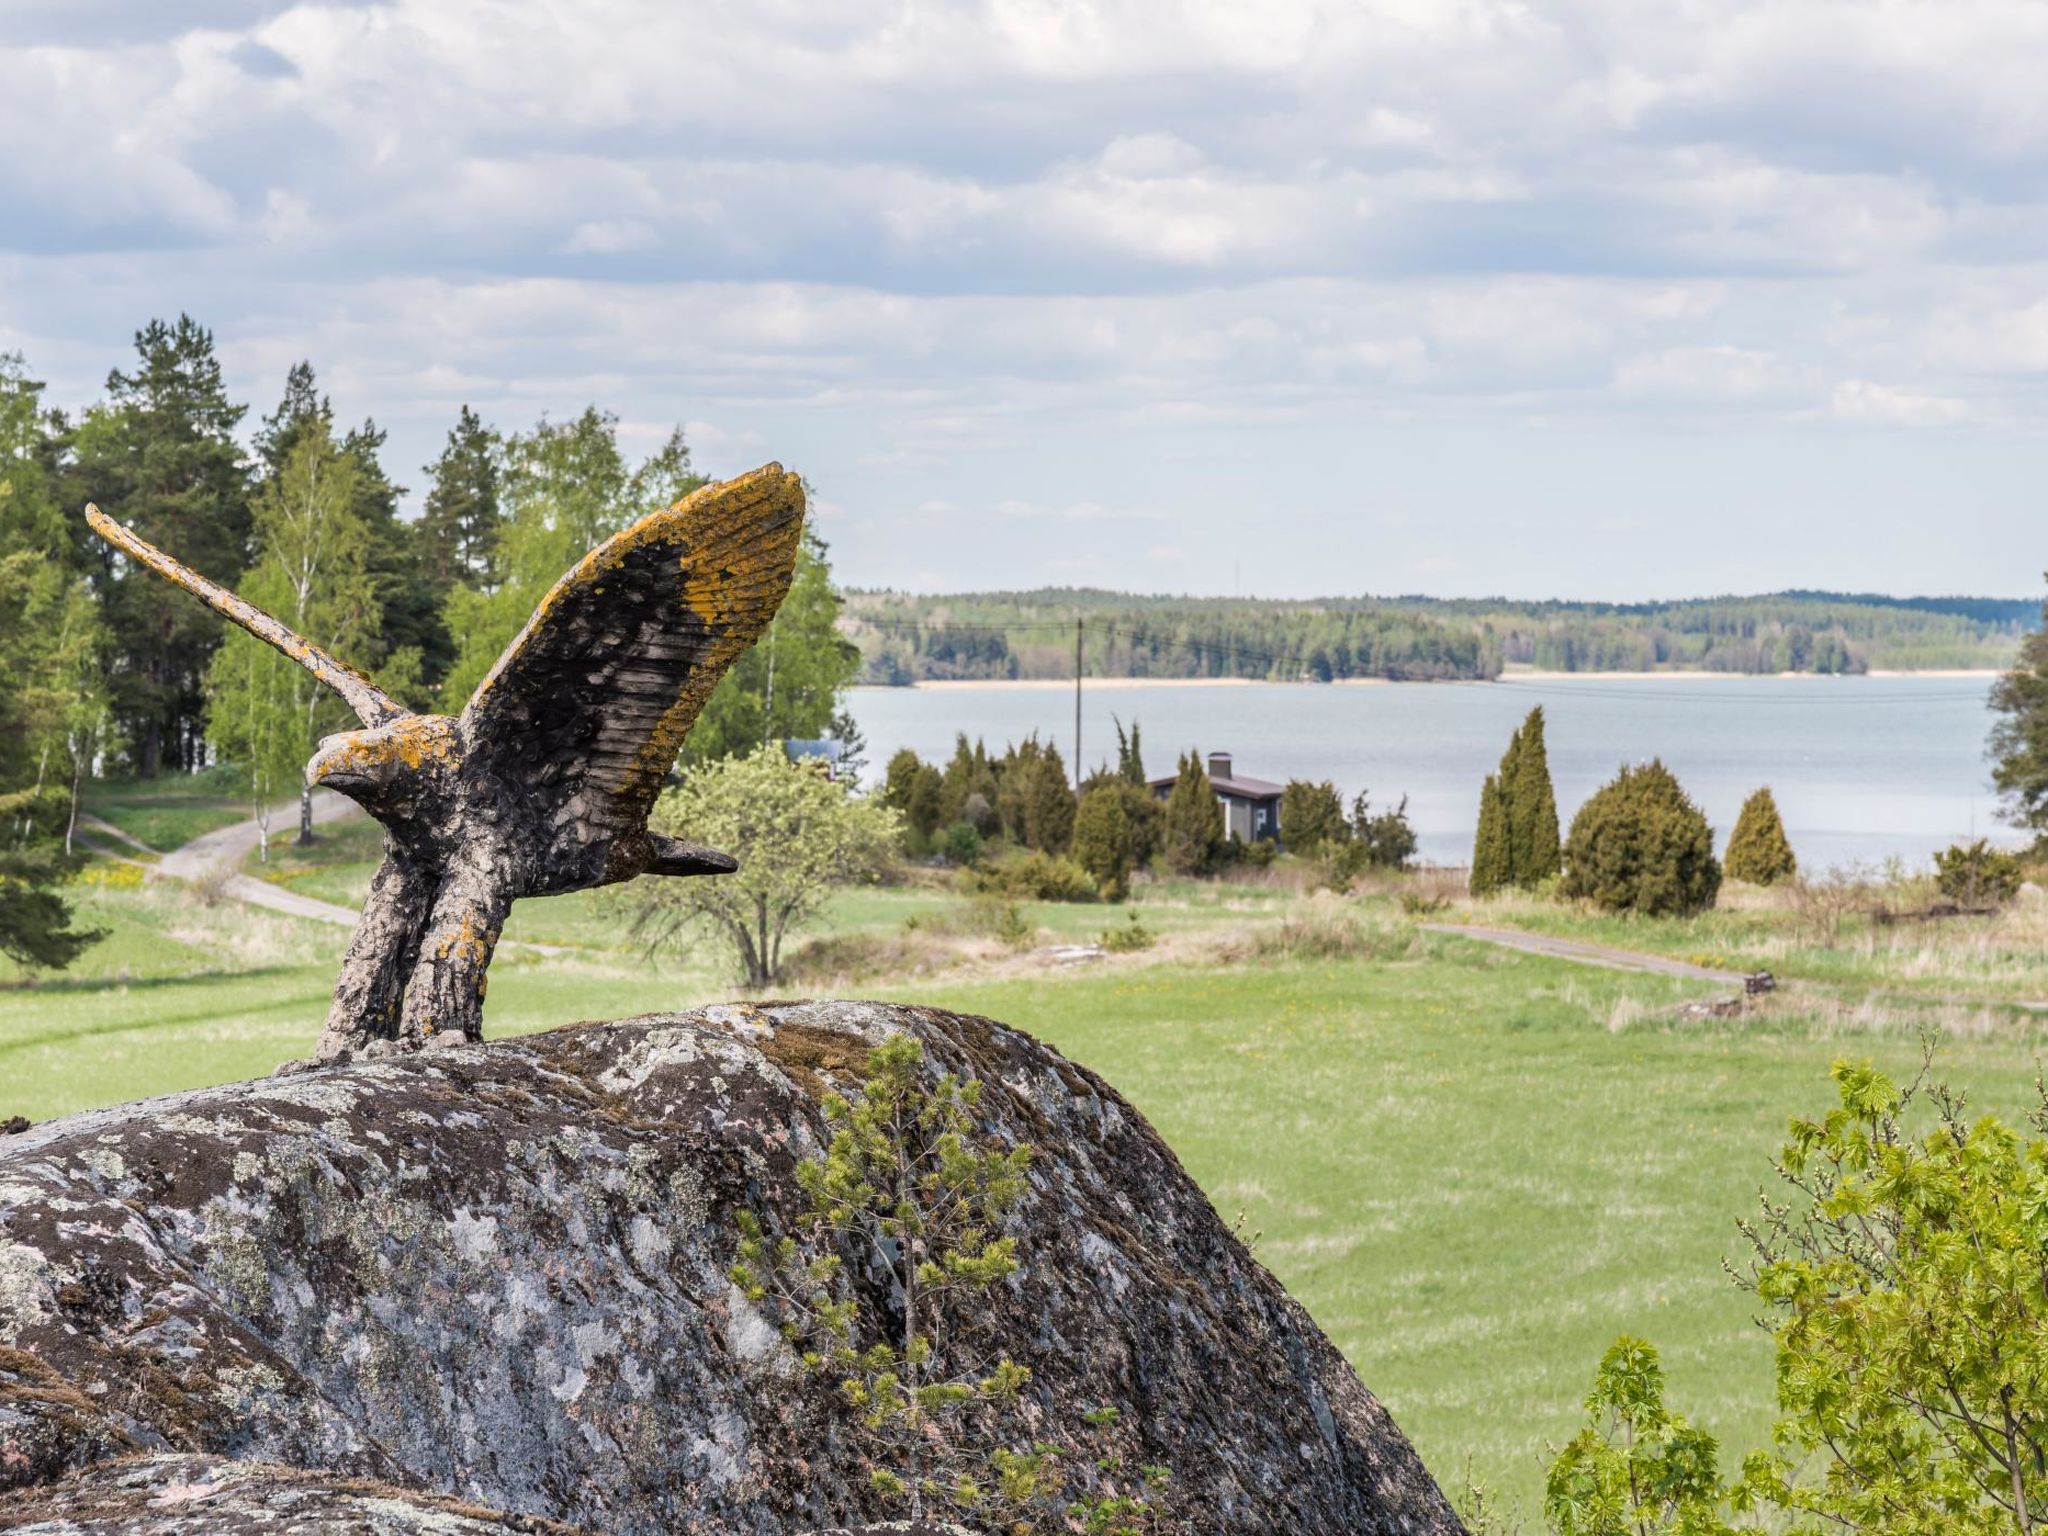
(226,848)
(1587,954)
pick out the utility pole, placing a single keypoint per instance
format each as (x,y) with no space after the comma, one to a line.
(1077,702)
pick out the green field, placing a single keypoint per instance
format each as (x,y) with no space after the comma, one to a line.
(1474,1167)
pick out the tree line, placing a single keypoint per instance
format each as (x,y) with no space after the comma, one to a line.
(907,638)
(114,671)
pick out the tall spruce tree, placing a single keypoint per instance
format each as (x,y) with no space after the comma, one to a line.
(1759,853)
(1492,852)
(159,453)
(1535,850)
(458,526)
(2019,741)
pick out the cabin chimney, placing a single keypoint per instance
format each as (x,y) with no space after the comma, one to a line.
(1219,765)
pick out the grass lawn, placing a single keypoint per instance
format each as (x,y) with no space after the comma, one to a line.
(1473,1167)
(167,811)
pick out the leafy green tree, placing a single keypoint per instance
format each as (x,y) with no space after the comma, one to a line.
(789,685)
(1637,1469)
(1492,853)
(267,714)
(1759,853)
(1102,839)
(1904,1277)
(1641,845)
(563,488)
(906,1185)
(36,923)
(458,526)
(257,725)
(2019,740)
(1533,850)
(1192,828)
(160,455)
(1310,815)
(798,836)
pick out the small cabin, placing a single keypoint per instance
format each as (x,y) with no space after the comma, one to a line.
(1251,807)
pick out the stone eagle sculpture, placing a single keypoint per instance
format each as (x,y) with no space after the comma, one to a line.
(544,782)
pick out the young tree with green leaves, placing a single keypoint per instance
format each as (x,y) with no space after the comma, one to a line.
(2019,740)
(1191,832)
(1493,865)
(1759,853)
(312,572)
(160,455)
(1636,1469)
(1904,1274)
(798,836)
(564,487)
(1641,845)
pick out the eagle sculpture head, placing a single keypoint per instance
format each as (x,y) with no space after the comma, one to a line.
(545,780)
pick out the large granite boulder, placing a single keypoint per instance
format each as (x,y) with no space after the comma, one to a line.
(489,1284)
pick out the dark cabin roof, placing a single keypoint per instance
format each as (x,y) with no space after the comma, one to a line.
(1237,788)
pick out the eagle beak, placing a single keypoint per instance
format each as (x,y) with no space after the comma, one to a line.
(673,856)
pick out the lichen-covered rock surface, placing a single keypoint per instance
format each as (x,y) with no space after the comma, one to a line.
(497,1274)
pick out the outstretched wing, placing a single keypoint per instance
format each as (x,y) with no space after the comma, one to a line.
(372,704)
(588,707)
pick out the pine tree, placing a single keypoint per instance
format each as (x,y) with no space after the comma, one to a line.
(2019,741)
(1492,854)
(160,455)
(1534,846)
(1192,829)
(1758,851)
(458,526)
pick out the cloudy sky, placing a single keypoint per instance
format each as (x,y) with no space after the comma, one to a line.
(1586,298)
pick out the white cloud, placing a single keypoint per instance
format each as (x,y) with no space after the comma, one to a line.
(992,253)
(1868,404)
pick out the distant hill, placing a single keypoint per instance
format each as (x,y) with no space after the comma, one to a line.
(907,637)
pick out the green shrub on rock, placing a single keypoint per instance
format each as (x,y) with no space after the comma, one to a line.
(1641,845)
(1759,853)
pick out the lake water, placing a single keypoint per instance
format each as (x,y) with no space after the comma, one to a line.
(1863,768)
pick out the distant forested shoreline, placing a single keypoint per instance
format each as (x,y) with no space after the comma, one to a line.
(908,638)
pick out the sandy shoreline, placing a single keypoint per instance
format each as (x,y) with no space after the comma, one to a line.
(1066,684)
